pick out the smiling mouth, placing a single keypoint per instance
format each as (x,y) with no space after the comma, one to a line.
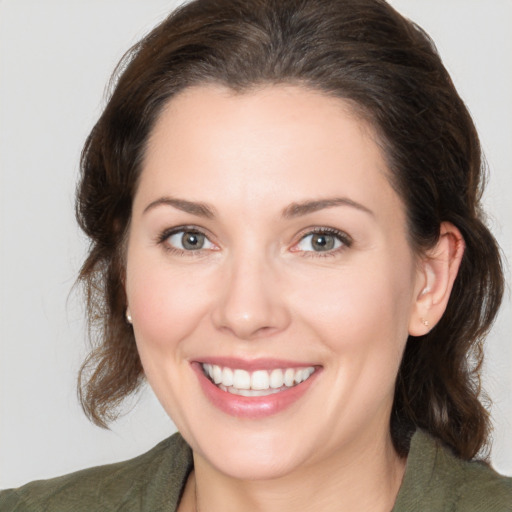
(256,383)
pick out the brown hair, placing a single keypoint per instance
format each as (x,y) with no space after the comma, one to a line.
(359,50)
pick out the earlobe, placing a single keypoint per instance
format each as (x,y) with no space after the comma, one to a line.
(438,270)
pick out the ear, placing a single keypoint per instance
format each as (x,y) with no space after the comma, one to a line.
(438,269)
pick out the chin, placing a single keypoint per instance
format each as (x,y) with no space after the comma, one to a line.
(252,455)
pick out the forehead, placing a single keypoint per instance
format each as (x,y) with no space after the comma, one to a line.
(212,110)
(273,144)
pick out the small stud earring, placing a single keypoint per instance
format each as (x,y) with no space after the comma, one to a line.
(128,317)
(426,323)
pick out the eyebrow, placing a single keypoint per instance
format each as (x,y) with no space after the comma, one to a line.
(199,209)
(303,208)
(291,211)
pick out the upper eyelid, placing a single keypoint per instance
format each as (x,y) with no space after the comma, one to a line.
(345,239)
(343,236)
(163,237)
(166,233)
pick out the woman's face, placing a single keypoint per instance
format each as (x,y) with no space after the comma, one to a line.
(267,248)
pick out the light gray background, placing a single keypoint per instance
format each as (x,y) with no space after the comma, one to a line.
(55,59)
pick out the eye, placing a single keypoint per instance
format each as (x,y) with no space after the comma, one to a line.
(323,241)
(188,240)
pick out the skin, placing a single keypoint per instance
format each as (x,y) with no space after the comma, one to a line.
(259,289)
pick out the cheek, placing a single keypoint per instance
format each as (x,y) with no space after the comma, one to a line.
(361,313)
(166,304)
(357,297)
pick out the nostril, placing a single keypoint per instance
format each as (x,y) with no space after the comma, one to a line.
(250,305)
(247,331)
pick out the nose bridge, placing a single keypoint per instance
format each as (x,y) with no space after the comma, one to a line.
(251,304)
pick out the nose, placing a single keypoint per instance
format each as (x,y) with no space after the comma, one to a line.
(251,302)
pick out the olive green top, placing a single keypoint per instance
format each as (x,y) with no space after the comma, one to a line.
(434,480)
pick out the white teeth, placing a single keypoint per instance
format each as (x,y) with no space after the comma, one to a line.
(301,375)
(260,380)
(289,377)
(241,379)
(227,377)
(257,383)
(252,392)
(217,374)
(276,378)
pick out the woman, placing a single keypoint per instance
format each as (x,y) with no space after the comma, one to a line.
(283,203)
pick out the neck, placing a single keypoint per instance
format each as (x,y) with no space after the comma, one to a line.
(361,478)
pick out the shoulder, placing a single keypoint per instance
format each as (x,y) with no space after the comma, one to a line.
(482,489)
(436,480)
(146,482)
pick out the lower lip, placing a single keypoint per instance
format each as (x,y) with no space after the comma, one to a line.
(251,407)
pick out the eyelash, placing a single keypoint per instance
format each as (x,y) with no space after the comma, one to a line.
(166,234)
(346,241)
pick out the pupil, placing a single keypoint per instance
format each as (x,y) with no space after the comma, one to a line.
(192,240)
(323,242)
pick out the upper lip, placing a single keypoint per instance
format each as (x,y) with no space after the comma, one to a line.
(254,364)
